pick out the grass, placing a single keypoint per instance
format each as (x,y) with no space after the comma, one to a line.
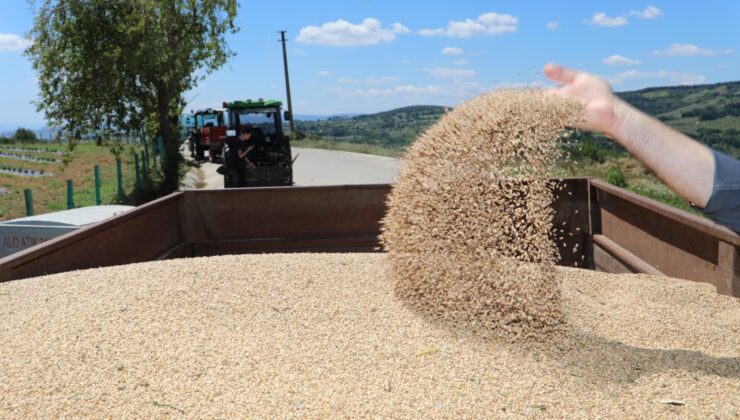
(50,192)
(638,178)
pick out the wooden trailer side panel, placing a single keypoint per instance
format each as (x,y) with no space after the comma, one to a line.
(284,219)
(258,220)
(142,234)
(636,234)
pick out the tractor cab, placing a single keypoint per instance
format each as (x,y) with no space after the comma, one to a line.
(269,148)
(208,133)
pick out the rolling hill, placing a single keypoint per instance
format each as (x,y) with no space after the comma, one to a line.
(709,113)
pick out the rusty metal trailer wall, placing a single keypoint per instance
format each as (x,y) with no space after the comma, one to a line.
(258,220)
(143,234)
(597,226)
(571,222)
(293,219)
(632,233)
(212,222)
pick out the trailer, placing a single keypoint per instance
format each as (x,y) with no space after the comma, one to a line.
(606,228)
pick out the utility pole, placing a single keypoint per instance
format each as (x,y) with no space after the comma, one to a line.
(287,81)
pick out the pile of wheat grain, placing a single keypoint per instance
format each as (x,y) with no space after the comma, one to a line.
(469,219)
(323,336)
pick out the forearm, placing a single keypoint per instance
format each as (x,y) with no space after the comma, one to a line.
(686,165)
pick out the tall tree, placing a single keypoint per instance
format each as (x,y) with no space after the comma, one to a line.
(124,64)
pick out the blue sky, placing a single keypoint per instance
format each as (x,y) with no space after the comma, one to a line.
(365,56)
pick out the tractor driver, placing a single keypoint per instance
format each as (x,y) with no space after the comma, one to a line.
(241,162)
(708,179)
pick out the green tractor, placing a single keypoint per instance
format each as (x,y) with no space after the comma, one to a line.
(269,152)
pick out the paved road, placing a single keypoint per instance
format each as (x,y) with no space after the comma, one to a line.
(314,167)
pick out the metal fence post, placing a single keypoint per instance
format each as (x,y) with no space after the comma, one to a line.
(70,194)
(160,146)
(98,200)
(119,177)
(145,155)
(144,163)
(29,201)
(138,174)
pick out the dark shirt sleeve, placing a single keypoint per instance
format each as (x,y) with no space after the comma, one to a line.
(724,204)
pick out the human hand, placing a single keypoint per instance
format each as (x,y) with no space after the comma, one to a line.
(601,107)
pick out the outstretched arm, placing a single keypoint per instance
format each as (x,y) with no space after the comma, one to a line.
(686,165)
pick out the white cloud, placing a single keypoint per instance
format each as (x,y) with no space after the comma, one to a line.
(346,34)
(460,62)
(399,28)
(552,25)
(650,12)
(450,73)
(346,80)
(618,60)
(487,23)
(452,51)
(601,19)
(299,51)
(688,49)
(13,42)
(673,77)
(324,73)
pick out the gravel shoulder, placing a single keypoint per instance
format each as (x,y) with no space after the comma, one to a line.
(322,335)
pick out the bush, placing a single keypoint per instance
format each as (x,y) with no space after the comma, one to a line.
(24,135)
(615,176)
(589,149)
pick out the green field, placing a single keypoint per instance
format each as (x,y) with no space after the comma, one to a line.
(50,192)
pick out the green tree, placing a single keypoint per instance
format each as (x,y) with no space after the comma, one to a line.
(124,65)
(24,135)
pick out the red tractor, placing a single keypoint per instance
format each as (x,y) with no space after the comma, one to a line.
(209,133)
